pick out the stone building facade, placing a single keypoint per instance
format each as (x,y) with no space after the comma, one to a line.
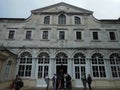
(61,38)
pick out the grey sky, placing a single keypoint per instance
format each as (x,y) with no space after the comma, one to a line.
(103,9)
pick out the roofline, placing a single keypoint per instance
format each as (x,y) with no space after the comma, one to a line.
(59,4)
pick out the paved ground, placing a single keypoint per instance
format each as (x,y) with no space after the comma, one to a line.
(34,88)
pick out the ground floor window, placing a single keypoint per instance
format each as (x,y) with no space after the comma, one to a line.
(79,71)
(98,66)
(115,65)
(25,65)
(42,71)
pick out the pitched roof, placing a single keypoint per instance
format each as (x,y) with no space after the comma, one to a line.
(61,4)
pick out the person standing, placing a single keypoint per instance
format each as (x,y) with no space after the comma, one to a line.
(54,81)
(83,78)
(68,82)
(18,83)
(47,80)
(89,81)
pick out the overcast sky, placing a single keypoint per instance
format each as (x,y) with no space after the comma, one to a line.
(102,9)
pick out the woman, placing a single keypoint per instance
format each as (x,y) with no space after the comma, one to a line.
(89,81)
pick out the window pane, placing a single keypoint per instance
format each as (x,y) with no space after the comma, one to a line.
(102,71)
(78,35)
(11,34)
(45,34)
(47,20)
(28,34)
(95,35)
(28,70)
(112,35)
(77,72)
(40,70)
(114,71)
(45,70)
(61,35)
(62,19)
(95,71)
(77,20)
(21,70)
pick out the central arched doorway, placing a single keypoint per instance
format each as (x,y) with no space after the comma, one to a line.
(61,63)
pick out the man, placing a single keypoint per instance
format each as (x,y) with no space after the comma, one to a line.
(83,78)
(18,83)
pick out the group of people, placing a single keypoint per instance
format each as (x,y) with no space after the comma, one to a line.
(59,81)
(86,80)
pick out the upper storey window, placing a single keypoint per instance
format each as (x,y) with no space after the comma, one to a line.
(62,19)
(112,35)
(11,34)
(95,35)
(28,34)
(47,20)
(77,20)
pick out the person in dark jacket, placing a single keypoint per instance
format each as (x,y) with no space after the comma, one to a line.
(89,81)
(68,82)
(18,83)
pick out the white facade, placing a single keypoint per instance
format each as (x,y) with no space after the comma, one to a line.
(64,37)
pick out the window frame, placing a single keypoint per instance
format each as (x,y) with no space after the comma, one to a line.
(28,35)
(95,35)
(47,20)
(113,37)
(77,20)
(62,19)
(61,35)
(45,35)
(11,34)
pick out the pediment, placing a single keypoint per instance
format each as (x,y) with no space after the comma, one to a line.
(61,7)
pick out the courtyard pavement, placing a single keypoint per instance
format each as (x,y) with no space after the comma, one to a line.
(38,88)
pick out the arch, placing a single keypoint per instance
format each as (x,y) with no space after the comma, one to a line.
(61,58)
(61,19)
(47,20)
(98,66)
(77,20)
(79,58)
(97,55)
(43,57)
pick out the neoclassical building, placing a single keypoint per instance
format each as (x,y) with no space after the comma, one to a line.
(60,38)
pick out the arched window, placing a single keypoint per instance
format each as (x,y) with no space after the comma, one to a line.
(79,58)
(79,65)
(43,58)
(47,20)
(62,19)
(77,20)
(7,69)
(98,66)
(61,58)
(115,65)
(25,65)
(43,64)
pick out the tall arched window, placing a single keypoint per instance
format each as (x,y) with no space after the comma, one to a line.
(77,20)
(115,65)
(43,64)
(25,65)
(7,69)
(98,66)
(79,65)
(62,19)
(47,20)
